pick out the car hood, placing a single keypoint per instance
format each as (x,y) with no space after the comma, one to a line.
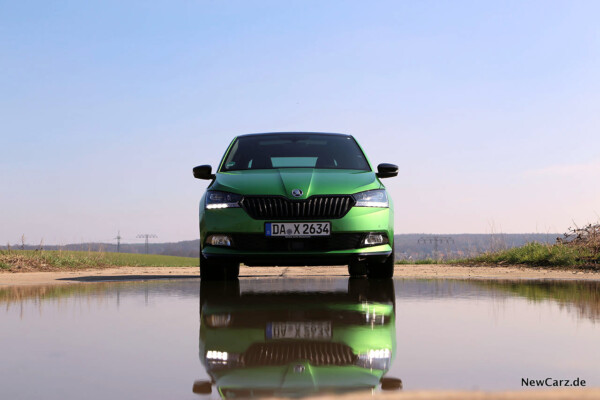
(283,180)
(290,381)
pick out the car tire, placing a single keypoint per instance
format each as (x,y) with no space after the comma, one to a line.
(372,290)
(357,269)
(381,270)
(219,292)
(218,270)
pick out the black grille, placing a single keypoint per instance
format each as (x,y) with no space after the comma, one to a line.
(259,242)
(281,353)
(280,208)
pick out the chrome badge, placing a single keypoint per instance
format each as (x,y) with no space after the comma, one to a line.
(297,192)
(299,368)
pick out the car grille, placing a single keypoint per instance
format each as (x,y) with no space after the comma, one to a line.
(281,353)
(280,208)
(259,242)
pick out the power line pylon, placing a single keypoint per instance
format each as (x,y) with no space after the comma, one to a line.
(118,239)
(435,240)
(147,236)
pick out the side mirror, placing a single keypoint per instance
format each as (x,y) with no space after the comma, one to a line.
(202,387)
(203,172)
(391,384)
(387,170)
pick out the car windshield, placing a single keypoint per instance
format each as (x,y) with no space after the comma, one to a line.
(295,151)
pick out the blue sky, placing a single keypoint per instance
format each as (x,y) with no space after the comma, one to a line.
(490,109)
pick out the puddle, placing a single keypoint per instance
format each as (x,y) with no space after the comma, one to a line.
(293,337)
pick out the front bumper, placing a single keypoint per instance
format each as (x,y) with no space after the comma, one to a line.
(297,259)
(236,222)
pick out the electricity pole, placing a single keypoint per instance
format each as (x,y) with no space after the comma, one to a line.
(118,238)
(435,240)
(147,236)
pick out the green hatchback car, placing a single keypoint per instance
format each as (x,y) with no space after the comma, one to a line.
(267,338)
(296,198)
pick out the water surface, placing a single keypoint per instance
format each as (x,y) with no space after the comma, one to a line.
(292,336)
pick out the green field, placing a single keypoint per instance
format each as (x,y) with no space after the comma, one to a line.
(36,260)
(584,296)
(532,254)
(16,293)
(540,255)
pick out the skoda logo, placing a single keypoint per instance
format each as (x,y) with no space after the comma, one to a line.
(297,192)
(299,368)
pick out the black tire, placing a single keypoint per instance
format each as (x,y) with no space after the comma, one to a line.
(219,292)
(357,269)
(381,270)
(218,270)
(372,290)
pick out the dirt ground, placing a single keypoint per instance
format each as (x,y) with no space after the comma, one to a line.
(548,394)
(402,271)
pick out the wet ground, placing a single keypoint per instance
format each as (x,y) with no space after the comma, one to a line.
(293,336)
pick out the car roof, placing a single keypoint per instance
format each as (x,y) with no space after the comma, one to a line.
(295,133)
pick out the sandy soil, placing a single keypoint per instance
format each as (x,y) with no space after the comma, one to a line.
(547,394)
(402,271)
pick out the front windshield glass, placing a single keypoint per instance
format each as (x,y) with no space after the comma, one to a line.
(303,150)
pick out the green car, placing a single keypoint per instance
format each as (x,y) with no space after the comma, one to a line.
(272,341)
(296,199)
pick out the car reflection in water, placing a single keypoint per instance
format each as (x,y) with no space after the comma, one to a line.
(262,340)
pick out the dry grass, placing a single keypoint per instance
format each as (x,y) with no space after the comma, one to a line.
(580,248)
(57,260)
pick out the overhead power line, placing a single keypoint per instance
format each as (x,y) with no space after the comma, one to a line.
(147,236)
(118,239)
(435,240)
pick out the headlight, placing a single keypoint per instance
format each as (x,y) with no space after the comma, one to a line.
(375,359)
(372,198)
(218,320)
(222,359)
(215,199)
(217,355)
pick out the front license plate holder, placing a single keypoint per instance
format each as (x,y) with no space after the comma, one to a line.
(297,229)
(305,330)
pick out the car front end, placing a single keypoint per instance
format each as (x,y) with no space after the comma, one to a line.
(256,341)
(280,199)
(344,228)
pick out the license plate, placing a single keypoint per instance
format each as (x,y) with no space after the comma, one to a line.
(298,229)
(316,330)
